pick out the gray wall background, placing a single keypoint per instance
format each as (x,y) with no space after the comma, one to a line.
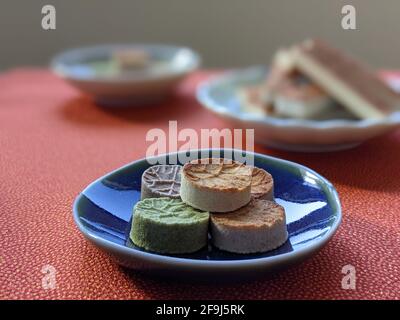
(227,33)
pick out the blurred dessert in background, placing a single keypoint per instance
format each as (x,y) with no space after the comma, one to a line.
(128,61)
(346,79)
(312,80)
(131,59)
(295,96)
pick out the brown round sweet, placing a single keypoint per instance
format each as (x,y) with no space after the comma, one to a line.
(262,185)
(161,181)
(258,227)
(218,174)
(216,185)
(257,213)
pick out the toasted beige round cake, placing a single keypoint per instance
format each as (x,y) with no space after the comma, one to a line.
(258,227)
(262,185)
(216,184)
(161,181)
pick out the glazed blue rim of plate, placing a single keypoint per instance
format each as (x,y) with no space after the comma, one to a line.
(203,95)
(329,191)
(59,66)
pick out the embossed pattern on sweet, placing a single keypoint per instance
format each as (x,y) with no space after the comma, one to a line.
(216,185)
(161,181)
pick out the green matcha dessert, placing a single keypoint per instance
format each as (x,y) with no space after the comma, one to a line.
(167,225)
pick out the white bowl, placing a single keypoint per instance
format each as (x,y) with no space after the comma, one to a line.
(132,88)
(219,95)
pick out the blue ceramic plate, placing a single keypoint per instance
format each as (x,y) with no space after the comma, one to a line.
(103,213)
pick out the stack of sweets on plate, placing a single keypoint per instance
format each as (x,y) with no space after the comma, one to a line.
(233,202)
(310,79)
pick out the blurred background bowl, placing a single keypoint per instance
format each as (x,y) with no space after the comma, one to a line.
(126,88)
(220,96)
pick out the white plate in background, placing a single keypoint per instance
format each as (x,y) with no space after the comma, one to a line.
(219,95)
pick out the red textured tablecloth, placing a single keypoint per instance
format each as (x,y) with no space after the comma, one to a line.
(54,141)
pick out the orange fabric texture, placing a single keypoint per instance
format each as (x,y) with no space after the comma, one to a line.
(55,141)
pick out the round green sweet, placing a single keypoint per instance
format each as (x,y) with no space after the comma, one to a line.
(168,225)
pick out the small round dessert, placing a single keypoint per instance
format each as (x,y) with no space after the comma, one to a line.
(161,181)
(128,59)
(258,227)
(262,185)
(216,185)
(166,225)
